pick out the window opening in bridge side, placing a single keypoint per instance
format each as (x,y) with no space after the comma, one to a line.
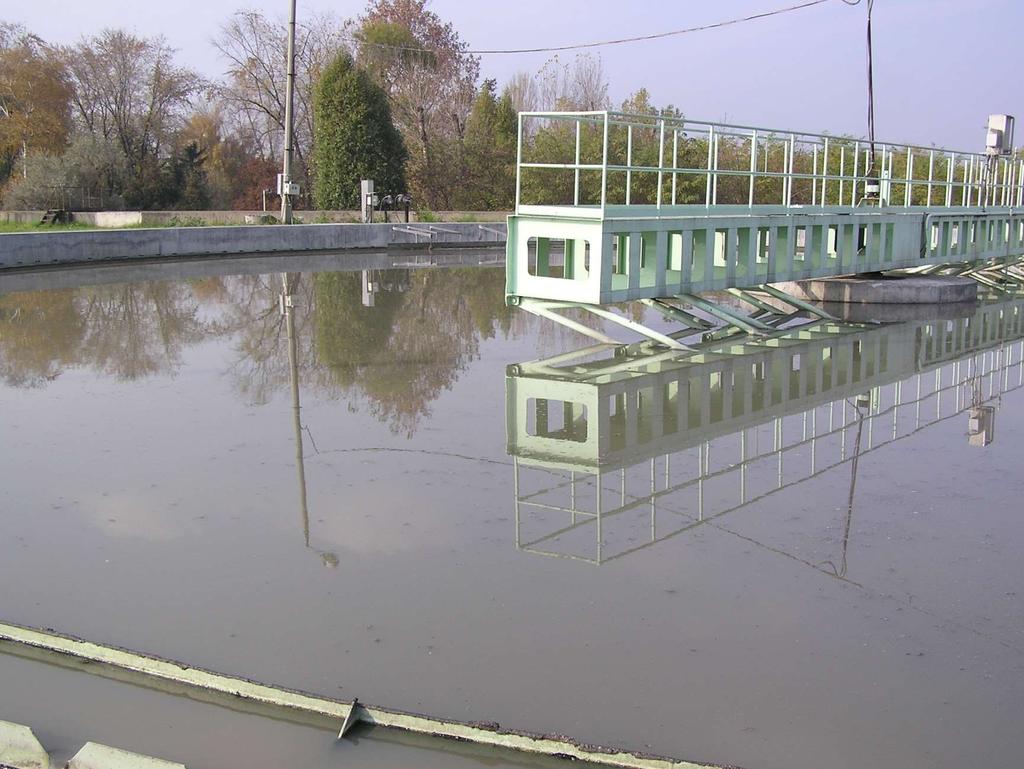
(556,419)
(558,258)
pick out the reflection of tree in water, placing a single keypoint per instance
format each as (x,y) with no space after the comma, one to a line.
(129,331)
(393,359)
(402,353)
(348,335)
(260,367)
(39,336)
(132,331)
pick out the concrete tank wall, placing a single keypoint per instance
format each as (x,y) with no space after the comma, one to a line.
(82,246)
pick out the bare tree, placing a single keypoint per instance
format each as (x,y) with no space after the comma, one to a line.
(523,92)
(14,35)
(253,92)
(588,88)
(128,89)
(579,85)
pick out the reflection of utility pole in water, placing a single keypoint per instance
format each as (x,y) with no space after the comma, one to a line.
(369,288)
(286,305)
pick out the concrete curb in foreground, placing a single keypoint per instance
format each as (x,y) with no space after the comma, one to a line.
(19,748)
(96,756)
(478,732)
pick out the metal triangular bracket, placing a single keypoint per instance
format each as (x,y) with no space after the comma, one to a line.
(350,719)
(732,317)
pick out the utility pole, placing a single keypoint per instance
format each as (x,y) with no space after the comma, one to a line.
(872,186)
(284,184)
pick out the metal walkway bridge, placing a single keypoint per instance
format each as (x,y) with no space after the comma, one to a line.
(597,438)
(614,208)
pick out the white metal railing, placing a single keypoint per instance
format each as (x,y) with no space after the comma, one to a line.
(605,158)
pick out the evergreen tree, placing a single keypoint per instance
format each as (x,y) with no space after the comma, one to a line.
(354,137)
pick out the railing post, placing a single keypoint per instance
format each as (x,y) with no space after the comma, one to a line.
(908,188)
(714,192)
(885,182)
(965,189)
(1006,181)
(856,171)
(951,161)
(604,173)
(1003,185)
(753,167)
(965,194)
(931,171)
(814,176)
(661,158)
(824,174)
(792,153)
(785,168)
(629,162)
(519,160)
(997,186)
(675,160)
(1020,184)
(984,181)
(1012,183)
(842,171)
(711,150)
(576,180)
(973,174)
(1019,192)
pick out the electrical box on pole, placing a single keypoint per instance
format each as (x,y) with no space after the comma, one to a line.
(999,139)
(367,200)
(285,187)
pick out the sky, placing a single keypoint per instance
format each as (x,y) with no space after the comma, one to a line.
(941,66)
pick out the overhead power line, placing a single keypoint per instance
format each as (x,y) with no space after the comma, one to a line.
(622,40)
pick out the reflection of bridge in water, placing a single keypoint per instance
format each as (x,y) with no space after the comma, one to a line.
(636,432)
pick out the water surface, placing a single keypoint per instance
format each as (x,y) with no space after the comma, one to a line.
(420,531)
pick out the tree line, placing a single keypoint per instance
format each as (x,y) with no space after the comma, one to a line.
(116,120)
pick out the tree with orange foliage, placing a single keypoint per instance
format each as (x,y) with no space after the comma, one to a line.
(35,97)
